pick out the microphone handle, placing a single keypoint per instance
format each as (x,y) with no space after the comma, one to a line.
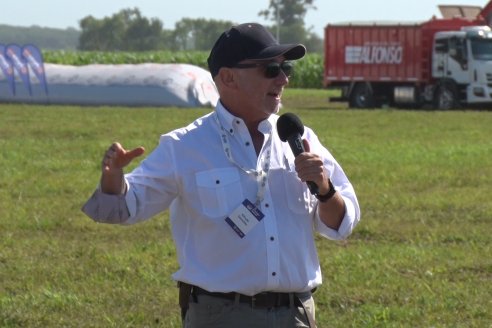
(313,188)
(295,143)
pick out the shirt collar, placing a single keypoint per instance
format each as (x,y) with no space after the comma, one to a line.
(230,122)
(226,118)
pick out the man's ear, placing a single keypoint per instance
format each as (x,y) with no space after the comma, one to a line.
(227,77)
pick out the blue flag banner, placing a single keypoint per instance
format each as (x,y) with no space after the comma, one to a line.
(34,59)
(6,68)
(13,52)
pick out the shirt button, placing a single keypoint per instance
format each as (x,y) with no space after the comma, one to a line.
(247,143)
(217,181)
(231,130)
(272,238)
(267,205)
(274,274)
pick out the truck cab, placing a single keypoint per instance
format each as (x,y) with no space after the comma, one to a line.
(442,63)
(462,67)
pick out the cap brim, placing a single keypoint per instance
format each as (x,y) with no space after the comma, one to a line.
(289,51)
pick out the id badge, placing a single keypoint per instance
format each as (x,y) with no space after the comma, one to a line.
(244,218)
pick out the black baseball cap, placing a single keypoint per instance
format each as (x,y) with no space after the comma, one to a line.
(249,41)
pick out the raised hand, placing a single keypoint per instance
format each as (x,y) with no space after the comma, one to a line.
(114,160)
(117,157)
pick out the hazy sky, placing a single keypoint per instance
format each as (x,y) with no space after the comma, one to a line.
(66,13)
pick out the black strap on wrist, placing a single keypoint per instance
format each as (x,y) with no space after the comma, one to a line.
(329,194)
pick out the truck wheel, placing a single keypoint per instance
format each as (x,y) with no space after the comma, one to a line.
(362,96)
(446,97)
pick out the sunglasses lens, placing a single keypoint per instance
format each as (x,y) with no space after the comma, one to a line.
(287,68)
(273,69)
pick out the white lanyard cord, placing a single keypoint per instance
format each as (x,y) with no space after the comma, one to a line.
(261,175)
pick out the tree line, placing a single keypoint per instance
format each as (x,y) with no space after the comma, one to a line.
(129,30)
(42,37)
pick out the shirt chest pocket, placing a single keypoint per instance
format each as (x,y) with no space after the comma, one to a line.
(219,190)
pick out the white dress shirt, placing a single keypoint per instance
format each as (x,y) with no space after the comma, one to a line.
(190,174)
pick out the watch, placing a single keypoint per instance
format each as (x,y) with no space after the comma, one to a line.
(329,194)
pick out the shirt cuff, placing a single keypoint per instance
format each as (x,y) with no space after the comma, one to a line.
(348,223)
(106,208)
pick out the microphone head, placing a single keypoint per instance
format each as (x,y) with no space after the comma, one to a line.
(289,124)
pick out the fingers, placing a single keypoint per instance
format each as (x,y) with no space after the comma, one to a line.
(307,148)
(116,157)
(308,162)
(136,152)
(109,156)
(309,166)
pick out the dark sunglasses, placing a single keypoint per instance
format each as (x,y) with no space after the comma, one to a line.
(272,69)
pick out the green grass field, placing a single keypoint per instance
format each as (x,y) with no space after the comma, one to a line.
(420,257)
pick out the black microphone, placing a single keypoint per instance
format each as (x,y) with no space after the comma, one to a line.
(290,129)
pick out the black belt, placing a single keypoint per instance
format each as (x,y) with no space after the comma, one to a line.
(264,300)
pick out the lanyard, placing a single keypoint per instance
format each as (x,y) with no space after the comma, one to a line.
(260,175)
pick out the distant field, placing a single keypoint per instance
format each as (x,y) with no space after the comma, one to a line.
(421,256)
(308,72)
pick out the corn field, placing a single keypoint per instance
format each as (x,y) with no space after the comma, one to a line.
(308,71)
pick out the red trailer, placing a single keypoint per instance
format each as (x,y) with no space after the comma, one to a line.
(436,62)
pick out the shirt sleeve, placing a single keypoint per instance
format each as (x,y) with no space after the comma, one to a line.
(106,208)
(349,222)
(150,189)
(153,185)
(343,186)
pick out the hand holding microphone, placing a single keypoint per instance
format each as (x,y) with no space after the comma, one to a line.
(291,129)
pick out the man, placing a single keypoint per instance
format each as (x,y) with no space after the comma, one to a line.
(243,218)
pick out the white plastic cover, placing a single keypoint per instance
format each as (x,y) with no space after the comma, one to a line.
(180,85)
